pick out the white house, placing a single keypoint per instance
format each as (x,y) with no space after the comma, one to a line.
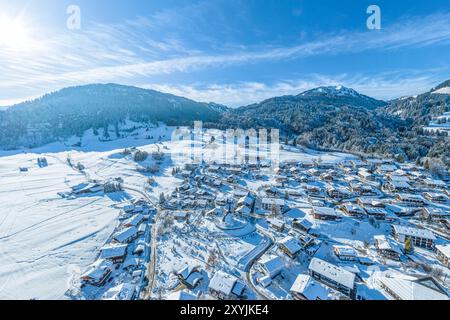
(272,266)
(333,276)
(345,253)
(226,285)
(290,246)
(420,237)
(443,254)
(306,288)
(402,287)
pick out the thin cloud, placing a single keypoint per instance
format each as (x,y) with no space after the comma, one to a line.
(384,86)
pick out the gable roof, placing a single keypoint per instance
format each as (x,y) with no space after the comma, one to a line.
(310,288)
(407,288)
(332,272)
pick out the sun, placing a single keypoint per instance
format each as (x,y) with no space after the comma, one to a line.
(14,34)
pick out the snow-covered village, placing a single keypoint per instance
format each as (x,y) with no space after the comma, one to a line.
(133,223)
(224,158)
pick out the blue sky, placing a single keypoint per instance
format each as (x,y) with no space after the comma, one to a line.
(234,52)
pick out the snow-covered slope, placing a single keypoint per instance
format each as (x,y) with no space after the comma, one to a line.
(445,90)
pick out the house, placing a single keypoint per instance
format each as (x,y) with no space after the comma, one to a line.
(394,177)
(181,296)
(386,248)
(274,204)
(436,196)
(327,176)
(338,192)
(443,254)
(127,235)
(190,276)
(290,246)
(122,292)
(325,213)
(401,211)
(97,273)
(420,237)
(402,287)
(377,213)
(134,221)
(272,266)
(142,230)
(397,186)
(386,168)
(333,276)
(181,215)
(434,183)
(345,253)
(434,214)
(265,281)
(370,202)
(87,188)
(276,224)
(226,286)
(353,210)
(362,189)
(312,189)
(128,208)
(243,210)
(410,199)
(366,175)
(246,201)
(302,225)
(114,253)
(306,288)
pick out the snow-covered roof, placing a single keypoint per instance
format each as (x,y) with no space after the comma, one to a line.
(409,289)
(244,210)
(273,265)
(142,228)
(186,270)
(291,244)
(434,182)
(276,222)
(353,208)
(309,288)
(414,232)
(383,243)
(273,201)
(126,234)
(247,201)
(325,211)
(400,184)
(97,270)
(113,251)
(238,288)
(445,249)
(410,197)
(223,283)
(332,272)
(387,168)
(181,296)
(135,221)
(345,251)
(122,292)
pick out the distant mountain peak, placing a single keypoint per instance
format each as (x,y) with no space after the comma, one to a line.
(343,95)
(339,90)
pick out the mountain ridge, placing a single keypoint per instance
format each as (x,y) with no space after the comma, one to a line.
(336,117)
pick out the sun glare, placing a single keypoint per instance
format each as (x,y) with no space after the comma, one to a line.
(14,34)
